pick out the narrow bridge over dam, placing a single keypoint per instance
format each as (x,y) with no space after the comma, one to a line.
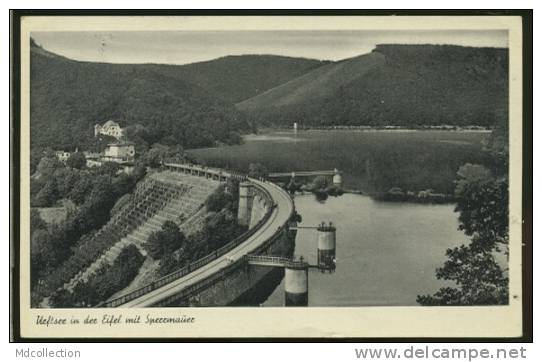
(334,176)
(304,173)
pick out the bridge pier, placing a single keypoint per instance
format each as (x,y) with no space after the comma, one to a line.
(326,247)
(296,286)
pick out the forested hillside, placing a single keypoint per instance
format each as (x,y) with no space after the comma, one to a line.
(236,78)
(190,105)
(405,85)
(69,97)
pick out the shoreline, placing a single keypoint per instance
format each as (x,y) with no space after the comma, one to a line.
(389,198)
(475,129)
(265,134)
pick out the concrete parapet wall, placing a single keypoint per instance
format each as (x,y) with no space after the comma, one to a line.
(243,281)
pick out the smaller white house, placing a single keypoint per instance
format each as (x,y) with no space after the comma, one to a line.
(93,159)
(109,128)
(62,155)
(119,152)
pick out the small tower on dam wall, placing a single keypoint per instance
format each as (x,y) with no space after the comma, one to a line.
(246,197)
(296,286)
(337,179)
(326,247)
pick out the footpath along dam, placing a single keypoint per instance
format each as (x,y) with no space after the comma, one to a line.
(234,272)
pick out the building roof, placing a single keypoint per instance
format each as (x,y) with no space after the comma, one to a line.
(111,123)
(121,144)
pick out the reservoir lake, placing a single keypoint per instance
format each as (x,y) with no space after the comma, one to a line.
(387,252)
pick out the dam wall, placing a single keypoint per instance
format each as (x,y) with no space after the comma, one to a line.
(238,281)
(269,211)
(260,206)
(249,284)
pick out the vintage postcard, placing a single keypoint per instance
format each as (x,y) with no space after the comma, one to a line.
(285,176)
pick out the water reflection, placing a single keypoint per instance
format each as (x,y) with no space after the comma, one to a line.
(387,252)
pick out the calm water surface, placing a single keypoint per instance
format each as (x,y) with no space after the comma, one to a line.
(387,253)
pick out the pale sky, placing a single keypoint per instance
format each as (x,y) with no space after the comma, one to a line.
(181,47)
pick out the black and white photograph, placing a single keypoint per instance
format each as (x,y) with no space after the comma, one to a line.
(270,169)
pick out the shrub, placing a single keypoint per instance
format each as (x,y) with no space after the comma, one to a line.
(165,241)
(77,160)
(319,183)
(218,200)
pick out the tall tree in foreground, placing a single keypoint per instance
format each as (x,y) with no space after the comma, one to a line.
(474,268)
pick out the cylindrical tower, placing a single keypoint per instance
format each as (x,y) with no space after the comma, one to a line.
(326,247)
(296,286)
(337,179)
(246,195)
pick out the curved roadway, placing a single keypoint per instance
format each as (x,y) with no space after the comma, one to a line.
(279,217)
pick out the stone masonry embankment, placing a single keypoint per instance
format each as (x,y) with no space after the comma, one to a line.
(165,196)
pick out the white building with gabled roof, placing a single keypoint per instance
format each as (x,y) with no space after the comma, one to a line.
(109,128)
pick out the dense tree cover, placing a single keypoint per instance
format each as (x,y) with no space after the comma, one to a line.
(165,241)
(77,160)
(38,245)
(226,196)
(221,222)
(94,191)
(47,195)
(483,215)
(320,83)
(107,281)
(36,222)
(55,181)
(404,85)
(158,154)
(221,228)
(217,200)
(236,78)
(480,280)
(47,164)
(60,251)
(320,186)
(497,143)
(121,202)
(418,166)
(69,97)
(483,211)
(51,178)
